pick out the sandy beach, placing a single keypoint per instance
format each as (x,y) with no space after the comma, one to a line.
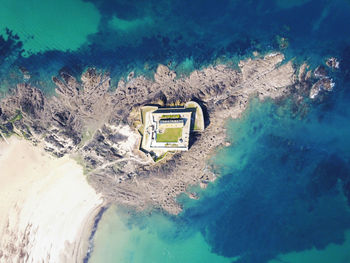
(47,208)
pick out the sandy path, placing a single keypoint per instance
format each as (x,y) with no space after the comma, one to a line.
(45,205)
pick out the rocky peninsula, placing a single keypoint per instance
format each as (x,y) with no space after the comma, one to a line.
(98,127)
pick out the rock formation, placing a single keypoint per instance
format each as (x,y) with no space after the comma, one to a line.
(97,126)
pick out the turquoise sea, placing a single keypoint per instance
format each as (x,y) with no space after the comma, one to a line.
(283,194)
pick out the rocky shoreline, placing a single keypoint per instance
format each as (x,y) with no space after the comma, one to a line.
(98,127)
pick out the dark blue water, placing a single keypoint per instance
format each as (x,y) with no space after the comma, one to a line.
(285,185)
(285,181)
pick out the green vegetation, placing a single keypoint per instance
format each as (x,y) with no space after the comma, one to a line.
(159,158)
(170,145)
(17,117)
(9,128)
(170,135)
(26,134)
(176,116)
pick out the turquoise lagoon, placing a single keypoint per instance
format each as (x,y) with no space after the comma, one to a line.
(284,186)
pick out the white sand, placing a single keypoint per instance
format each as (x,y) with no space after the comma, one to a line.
(46,205)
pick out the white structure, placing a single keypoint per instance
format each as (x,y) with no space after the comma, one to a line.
(166,129)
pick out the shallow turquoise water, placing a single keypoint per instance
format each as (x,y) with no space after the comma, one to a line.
(285,181)
(157,241)
(49,25)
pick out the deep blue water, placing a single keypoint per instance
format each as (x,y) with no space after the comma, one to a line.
(285,181)
(285,184)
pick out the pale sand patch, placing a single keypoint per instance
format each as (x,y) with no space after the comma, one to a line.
(46,205)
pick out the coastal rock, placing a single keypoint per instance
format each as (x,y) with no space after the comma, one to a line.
(323,84)
(164,74)
(26,98)
(332,63)
(303,70)
(266,76)
(99,127)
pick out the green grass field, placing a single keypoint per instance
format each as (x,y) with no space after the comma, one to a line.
(170,135)
(174,116)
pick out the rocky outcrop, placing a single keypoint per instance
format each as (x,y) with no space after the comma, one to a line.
(323,83)
(333,63)
(97,126)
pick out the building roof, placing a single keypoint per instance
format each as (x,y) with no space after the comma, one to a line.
(172,110)
(171,121)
